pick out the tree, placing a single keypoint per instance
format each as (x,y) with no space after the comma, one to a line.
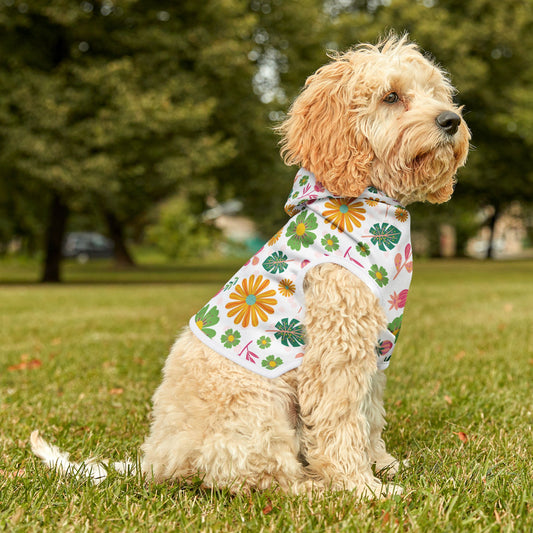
(285,47)
(103,107)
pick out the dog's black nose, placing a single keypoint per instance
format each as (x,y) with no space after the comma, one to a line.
(449,122)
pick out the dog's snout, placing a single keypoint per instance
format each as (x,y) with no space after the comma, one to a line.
(449,122)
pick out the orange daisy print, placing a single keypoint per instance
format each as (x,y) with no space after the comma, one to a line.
(286,287)
(344,214)
(372,202)
(275,238)
(401,214)
(252,302)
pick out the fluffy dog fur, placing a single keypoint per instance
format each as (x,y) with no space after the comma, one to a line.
(318,426)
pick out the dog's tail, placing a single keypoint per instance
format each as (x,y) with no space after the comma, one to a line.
(95,471)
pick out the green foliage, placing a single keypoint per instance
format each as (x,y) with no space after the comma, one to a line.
(460,212)
(125,104)
(179,233)
(116,106)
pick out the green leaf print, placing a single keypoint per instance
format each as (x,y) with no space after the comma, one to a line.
(385,235)
(276,263)
(290,332)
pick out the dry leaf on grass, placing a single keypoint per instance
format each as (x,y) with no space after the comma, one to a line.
(463,437)
(386,518)
(267,509)
(25,365)
(116,391)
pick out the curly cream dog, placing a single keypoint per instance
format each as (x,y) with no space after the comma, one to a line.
(379,116)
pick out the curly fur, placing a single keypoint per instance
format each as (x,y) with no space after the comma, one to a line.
(318,426)
(339,129)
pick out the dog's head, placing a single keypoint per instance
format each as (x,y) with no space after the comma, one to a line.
(382,116)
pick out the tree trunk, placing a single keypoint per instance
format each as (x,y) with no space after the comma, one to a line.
(492,226)
(55,233)
(122,255)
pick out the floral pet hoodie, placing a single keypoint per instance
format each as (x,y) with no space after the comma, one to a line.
(256,319)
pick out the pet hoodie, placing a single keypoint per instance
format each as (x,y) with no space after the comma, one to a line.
(257,317)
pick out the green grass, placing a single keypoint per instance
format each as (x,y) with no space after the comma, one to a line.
(464,363)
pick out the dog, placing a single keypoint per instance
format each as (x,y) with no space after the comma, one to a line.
(278,381)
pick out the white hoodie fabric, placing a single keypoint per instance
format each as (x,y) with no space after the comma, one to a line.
(257,318)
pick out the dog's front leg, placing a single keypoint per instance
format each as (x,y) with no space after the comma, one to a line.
(386,464)
(343,319)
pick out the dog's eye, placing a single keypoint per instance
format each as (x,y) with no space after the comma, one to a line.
(391,98)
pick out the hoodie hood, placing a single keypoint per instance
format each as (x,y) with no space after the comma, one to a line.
(306,190)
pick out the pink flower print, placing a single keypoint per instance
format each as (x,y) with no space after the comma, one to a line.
(397,301)
(384,347)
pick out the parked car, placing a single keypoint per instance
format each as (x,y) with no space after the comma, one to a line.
(87,245)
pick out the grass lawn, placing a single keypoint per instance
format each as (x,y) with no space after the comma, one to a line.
(80,361)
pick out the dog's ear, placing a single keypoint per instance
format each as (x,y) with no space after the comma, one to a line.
(322,133)
(443,194)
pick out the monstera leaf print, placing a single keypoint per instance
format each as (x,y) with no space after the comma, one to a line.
(385,235)
(276,263)
(290,332)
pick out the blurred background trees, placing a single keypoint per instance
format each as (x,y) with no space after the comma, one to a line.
(110,109)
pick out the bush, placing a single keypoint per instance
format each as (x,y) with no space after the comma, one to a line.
(180,233)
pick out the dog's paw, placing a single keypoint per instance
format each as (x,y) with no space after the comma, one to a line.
(389,466)
(393,490)
(379,490)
